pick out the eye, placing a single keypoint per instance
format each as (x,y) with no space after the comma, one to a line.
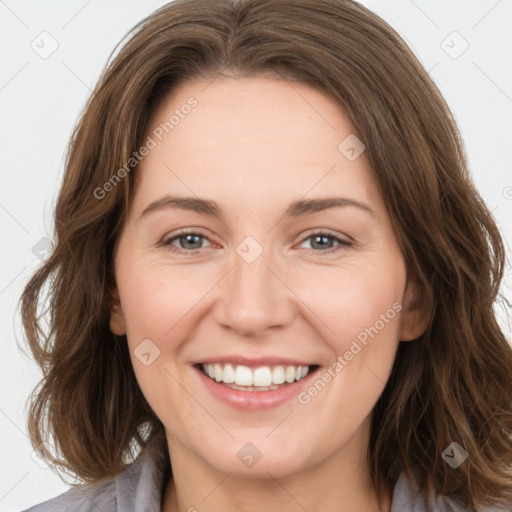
(189,242)
(320,242)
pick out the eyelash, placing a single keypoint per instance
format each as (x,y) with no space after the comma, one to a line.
(167,242)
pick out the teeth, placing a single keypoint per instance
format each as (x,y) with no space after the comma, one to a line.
(217,370)
(263,377)
(278,374)
(289,374)
(228,374)
(243,376)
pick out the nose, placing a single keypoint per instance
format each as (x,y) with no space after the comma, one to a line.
(254,297)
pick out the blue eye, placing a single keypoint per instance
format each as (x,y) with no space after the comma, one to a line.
(190,242)
(188,238)
(321,239)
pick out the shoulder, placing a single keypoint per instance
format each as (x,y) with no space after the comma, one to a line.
(136,488)
(407,498)
(101,495)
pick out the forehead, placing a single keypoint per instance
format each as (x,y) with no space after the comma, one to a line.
(252,138)
(266,117)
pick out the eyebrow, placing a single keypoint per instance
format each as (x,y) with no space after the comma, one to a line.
(297,208)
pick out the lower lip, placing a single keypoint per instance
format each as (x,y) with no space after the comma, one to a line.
(255,400)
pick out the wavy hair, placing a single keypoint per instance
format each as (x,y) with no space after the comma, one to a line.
(454,383)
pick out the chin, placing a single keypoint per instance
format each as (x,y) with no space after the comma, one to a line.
(258,459)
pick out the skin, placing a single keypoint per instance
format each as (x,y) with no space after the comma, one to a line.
(254,145)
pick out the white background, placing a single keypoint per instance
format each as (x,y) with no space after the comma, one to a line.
(40,100)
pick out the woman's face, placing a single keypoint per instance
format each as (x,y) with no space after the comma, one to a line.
(272,277)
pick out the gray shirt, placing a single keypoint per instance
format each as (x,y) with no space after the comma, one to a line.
(138,489)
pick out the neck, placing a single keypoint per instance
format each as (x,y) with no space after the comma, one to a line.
(330,486)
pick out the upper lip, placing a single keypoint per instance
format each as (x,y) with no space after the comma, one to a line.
(255,362)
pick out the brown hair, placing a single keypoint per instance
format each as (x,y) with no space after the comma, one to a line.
(452,384)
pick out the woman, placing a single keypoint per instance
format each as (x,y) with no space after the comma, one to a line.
(259,369)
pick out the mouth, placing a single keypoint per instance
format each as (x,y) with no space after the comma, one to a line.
(255,379)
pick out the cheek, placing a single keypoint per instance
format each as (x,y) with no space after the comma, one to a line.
(362,308)
(158,298)
(159,303)
(349,301)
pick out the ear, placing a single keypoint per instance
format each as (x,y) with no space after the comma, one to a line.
(416,312)
(117,322)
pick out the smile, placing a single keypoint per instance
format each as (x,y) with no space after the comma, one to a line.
(263,378)
(254,384)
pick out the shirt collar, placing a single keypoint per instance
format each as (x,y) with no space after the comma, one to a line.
(139,487)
